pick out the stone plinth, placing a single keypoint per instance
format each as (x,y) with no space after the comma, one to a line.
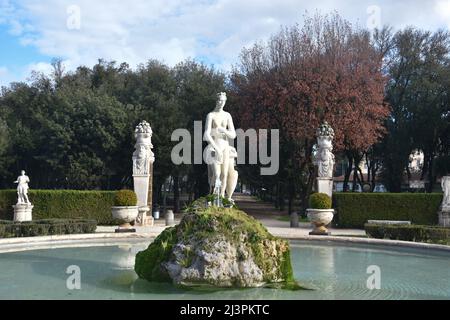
(444,217)
(141,186)
(23,212)
(170,218)
(145,220)
(325,185)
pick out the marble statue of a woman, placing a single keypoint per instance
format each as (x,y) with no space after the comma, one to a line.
(220,155)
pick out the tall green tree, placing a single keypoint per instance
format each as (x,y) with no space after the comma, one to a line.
(417,63)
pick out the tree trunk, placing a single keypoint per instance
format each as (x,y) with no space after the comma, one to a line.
(176,194)
(431,177)
(291,197)
(374,177)
(348,172)
(280,197)
(304,203)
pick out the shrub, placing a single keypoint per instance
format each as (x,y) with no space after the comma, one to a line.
(355,209)
(63,204)
(319,201)
(414,233)
(125,198)
(9,229)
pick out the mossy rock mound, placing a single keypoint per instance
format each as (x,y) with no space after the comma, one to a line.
(220,247)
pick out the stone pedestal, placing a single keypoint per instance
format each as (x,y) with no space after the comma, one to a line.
(325,185)
(150,189)
(170,218)
(23,212)
(444,217)
(144,219)
(141,186)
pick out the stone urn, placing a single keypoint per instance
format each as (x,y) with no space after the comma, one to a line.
(320,219)
(125,209)
(125,214)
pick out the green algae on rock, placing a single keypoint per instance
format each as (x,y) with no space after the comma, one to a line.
(221,247)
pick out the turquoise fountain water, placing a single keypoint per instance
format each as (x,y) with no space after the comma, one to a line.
(334,271)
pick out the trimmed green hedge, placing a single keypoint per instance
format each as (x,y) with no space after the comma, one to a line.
(414,233)
(355,209)
(48,227)
(63,204)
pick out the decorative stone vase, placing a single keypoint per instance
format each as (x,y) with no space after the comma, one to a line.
(126,214)
(320,219)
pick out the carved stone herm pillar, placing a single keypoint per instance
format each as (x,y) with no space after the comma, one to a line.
(324,159)
(143,159)
(444,212)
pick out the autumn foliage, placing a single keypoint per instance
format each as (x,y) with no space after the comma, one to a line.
(324,70)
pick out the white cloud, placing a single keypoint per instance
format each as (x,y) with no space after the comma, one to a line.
(173,30)
(442,9)
(5,76)
(43,67)
(3,71)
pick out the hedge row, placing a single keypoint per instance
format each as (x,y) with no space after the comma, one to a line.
(63,204)
(9,229)
(355,209)
(414,233)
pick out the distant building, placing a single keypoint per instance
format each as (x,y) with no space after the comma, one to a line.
(411,183)
(339,184)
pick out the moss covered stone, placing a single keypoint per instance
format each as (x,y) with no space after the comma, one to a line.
(222,247)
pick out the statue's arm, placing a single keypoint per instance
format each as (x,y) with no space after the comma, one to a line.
(207,136)
(231,132)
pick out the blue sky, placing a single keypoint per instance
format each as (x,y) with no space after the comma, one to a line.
(213,31)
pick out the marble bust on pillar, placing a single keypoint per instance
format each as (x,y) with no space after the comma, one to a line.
(324,159)
(445,183)
(143,159)
(444,211)
(143,156)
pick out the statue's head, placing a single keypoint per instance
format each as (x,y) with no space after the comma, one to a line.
(325,142)
(22,172)
(221,100)
(142,150)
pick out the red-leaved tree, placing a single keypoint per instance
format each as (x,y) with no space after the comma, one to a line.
(325,70)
